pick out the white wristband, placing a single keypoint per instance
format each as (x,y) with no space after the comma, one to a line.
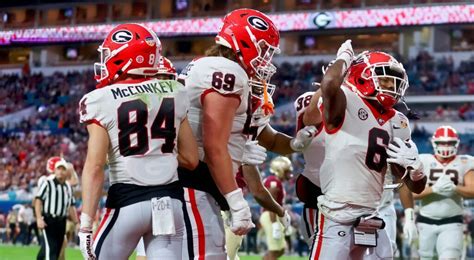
(409,214)
(86,221)
(235,199)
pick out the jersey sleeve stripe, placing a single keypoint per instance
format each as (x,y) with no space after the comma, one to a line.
(96,122)
(207,91)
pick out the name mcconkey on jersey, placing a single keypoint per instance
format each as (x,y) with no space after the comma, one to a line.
(160,87)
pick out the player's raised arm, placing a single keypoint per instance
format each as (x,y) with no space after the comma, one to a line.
(334,100)
(312,114)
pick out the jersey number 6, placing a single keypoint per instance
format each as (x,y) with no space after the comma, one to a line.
(376,157)
(162,127)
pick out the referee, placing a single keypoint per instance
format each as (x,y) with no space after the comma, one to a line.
(53,203)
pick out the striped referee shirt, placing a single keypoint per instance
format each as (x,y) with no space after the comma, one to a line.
(57,197)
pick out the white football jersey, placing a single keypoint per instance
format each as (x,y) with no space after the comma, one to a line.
(436,206)
(226,77)
(314,154)
(142,119)
(353,171)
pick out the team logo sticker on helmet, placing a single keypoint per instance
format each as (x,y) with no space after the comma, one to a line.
(140,59)
(122,36)
(258,23)
(150,41)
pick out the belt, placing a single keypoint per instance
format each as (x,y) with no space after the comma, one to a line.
(53,216)
(450,220)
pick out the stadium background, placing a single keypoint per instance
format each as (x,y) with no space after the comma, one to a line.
(47,49)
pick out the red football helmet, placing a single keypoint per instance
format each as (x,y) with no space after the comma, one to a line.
(378,76)
(129,49)
(445,142)
(166,69)
(254,39)
(51,163)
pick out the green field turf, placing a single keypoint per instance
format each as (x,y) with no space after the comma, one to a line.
(8,252)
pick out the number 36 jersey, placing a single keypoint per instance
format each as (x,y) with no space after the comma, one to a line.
(142,119)
(436,206)
(353,171)
(217,74)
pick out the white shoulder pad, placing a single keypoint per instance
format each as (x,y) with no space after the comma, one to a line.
(302,102)
(220,74)
(90,109)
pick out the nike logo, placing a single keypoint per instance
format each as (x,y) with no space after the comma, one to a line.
(412,159)
(396,127)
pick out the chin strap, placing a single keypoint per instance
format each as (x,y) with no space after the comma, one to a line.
(267,106)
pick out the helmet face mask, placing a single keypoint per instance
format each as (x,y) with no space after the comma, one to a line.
(378,76)
(262,63)
(445,142)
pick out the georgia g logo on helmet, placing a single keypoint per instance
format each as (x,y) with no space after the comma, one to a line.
(122,36)
(258,23)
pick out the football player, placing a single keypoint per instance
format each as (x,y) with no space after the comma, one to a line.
(261,131)
(141,124)
(451,178)
(307,183)
(281,170)
(357,108)
(218,88)
(166,71)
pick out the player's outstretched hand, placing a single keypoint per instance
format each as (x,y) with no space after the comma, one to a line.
(303,138)
(410,232)
(286,220)
(241,217)
(254,154)
(444,186)
(85,237)
(405,154)
(346,53)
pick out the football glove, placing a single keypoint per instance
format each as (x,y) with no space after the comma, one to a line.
(410,233)
(254,154)
(303,138)
(277,233)
(240,216)
(444,186)
(346,54)
(85,237)
(285,220)
(405,154)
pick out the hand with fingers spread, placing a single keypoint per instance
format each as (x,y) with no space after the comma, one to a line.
(406,155)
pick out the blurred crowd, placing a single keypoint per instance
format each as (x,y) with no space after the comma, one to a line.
(52,128)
